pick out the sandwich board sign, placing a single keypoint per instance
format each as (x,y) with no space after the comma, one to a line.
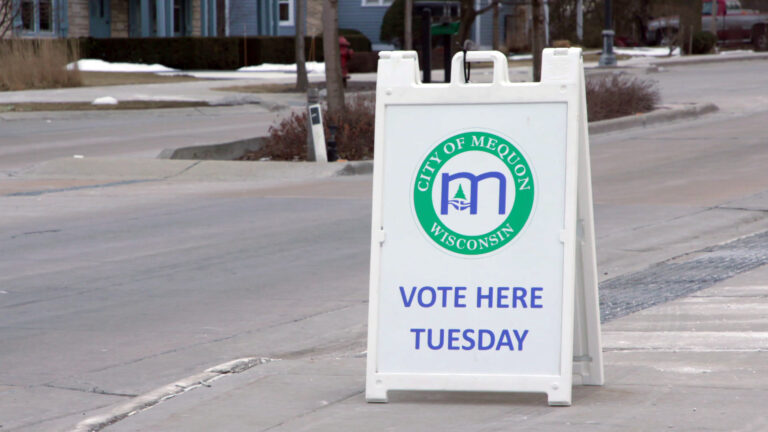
(483,270)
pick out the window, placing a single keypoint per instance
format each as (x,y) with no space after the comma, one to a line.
(285,11)
(377,2)
(179,17)
(37,16)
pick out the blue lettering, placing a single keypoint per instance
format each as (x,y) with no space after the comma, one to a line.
(433,346)
(480,345)
(444,290)
(417,333)
(535,297)
(518,294)
(469,338)
(407,301)
(458,300)
(501,296)
(520,339)
(453,337)
(432,292)
(505,339)
(481,297)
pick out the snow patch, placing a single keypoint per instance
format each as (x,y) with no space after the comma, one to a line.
(93,65)
(646,51)
(312,67)
(104,100)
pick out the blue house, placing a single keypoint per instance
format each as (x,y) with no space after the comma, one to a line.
(119,18)
(366,16)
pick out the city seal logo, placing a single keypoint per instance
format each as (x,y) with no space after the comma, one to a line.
(473,193)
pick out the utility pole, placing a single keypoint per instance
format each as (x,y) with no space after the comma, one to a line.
(495,32)
(714,20)
(333,79)
(302,82)
(408,13)
(607,58)
(537,35)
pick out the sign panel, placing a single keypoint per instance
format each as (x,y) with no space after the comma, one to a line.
(474,242)
(317,135)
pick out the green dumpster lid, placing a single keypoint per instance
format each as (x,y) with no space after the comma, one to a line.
(445,29)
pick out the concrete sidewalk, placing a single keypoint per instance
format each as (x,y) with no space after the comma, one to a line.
(697,363)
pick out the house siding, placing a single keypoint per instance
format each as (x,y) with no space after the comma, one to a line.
(365,19)
(78,17)
(244,19)
(119,18)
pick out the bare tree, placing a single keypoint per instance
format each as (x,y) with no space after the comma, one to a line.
(468,15)
(333,78)
(302,82)
(537,35)
(8,14)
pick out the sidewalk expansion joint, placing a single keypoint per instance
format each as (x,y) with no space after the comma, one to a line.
(678,276)
(77,188)
(159,395)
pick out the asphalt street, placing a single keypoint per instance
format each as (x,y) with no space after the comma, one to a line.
(26,139)
(109,292)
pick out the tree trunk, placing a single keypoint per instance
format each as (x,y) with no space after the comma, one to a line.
(302,82)
(537,36)
(468,15)
(496,26)
(333,78)
(690,22)
(408,15)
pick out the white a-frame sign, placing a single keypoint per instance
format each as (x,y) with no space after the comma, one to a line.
(483,274)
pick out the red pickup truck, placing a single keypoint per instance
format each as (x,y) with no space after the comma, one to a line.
(735,26)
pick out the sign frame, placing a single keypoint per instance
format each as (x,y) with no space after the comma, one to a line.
(580,346)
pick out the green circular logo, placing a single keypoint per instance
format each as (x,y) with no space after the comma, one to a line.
(473,193)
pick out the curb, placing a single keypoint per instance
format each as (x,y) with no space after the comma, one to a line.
(661,115)
(710,59)
(222,152)
(154,397)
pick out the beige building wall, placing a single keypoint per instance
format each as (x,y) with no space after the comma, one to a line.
(78,16)
(119,18)
(314,17)
(197,29)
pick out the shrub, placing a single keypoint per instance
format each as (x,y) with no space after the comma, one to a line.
(354,139)
(33,64)
(703,42)
(208,52)
(607,97)
(619,95)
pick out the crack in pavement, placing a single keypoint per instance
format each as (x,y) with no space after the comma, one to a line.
(93,390)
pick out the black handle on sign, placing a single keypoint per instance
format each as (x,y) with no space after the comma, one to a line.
(467,45)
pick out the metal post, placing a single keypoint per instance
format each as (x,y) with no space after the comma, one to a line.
(580,20)
(447,57)
(607,58)
(426,44)
(313,99)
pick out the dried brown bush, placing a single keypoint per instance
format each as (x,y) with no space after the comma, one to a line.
(619,95)
(354,139)
(35,64)
(607,97)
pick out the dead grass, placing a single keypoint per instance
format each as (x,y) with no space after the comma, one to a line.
(98,79)
(87,106)
(618,95)
(36,64)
